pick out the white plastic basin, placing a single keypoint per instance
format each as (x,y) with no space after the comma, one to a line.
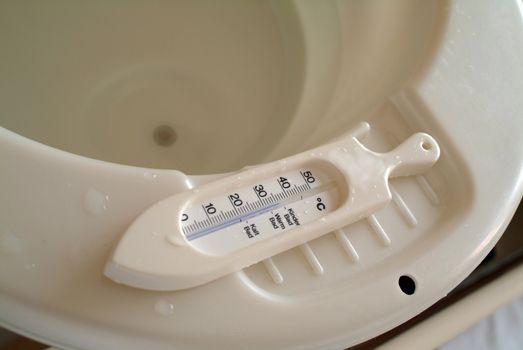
(100,102)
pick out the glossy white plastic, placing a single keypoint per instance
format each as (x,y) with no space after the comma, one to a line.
(170,262)
(294,77)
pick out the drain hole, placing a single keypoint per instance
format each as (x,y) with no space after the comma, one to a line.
(407,285)
(164,135)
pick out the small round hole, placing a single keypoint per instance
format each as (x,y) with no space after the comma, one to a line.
(426,145)
(407,285)
(164,135)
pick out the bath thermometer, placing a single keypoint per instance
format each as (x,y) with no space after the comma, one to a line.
(199,235)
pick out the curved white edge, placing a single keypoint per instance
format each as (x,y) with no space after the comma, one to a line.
(124,275)
(16,143)
(447,92)
(463,92)
(466,91)
(461,315)
(27,319)
(68,335)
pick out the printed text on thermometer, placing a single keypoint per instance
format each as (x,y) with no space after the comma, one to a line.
(258,211)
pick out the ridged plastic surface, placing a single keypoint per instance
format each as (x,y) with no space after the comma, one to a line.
(60,214)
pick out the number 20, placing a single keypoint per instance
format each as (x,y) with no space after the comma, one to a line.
(235,199)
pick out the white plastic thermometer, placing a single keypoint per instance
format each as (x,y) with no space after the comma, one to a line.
(224,226)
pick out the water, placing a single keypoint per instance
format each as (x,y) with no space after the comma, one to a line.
(30,266)
(149,176)
(175,239)
(10,243)
(95,202)
(164,307)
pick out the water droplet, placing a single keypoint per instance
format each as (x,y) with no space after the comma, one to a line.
(30,266)
(164,307)
(397,157)
(95,202)
(196,190)
(175,239)
(305,212)
(345,149)
(323,219)
(10,243)
(149,176)
(374,186)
